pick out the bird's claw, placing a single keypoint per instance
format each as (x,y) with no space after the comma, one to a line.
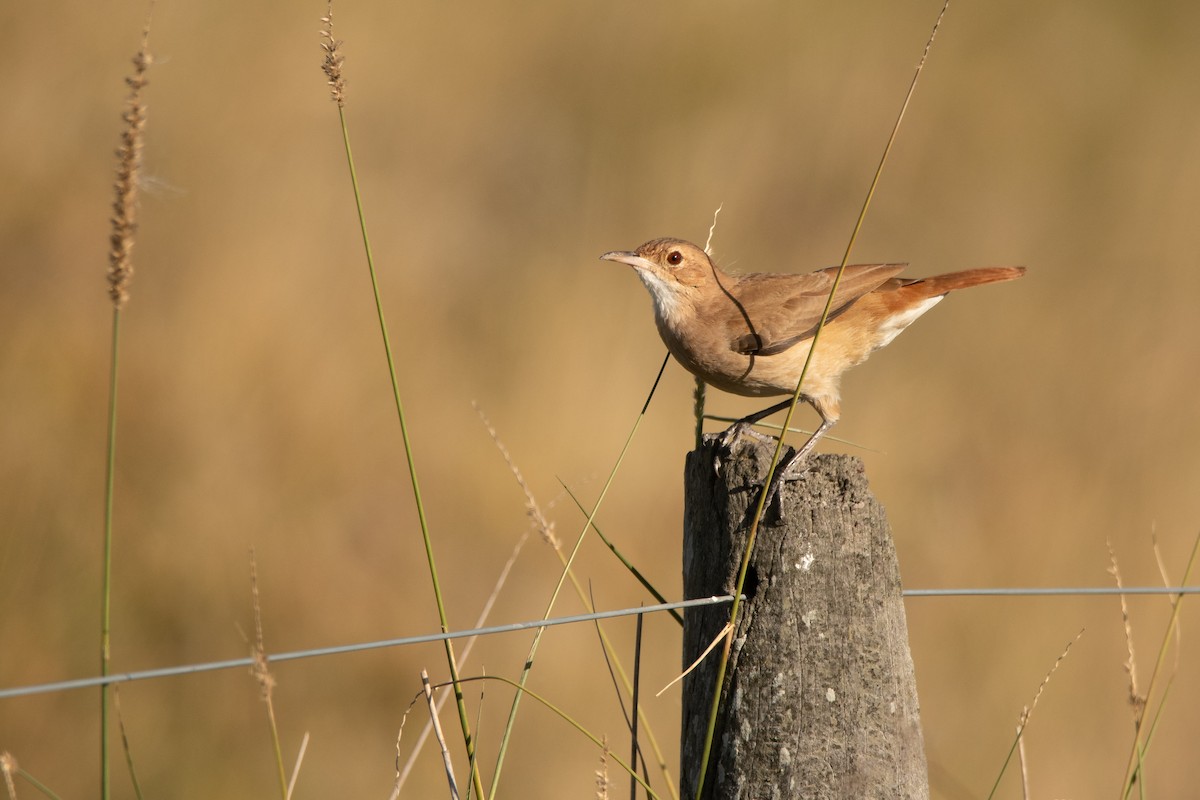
(728,439)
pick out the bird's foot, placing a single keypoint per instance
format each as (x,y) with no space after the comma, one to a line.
(739,429)
(730,438)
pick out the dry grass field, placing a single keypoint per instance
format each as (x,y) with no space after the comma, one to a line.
(501,149)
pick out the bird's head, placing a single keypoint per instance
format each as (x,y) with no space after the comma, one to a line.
(676,272)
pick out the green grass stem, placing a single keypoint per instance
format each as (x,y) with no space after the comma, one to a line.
(771,426)
(120,271)
(333,70)
(408,455)
(1135,764)
(723,664)
(610,651)
(1027,714)
(106,577)
(634,571)
(537,636)
(564,716)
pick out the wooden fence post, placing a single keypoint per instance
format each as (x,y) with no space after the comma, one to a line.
(820,698)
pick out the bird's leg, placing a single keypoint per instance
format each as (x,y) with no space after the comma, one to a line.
(790,468)
(744,425)
(793,466)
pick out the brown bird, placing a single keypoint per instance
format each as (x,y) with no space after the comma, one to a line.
(751,334)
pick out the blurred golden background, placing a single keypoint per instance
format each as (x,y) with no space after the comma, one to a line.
(501,149)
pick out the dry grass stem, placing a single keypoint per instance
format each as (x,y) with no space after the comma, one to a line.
(542,525)
(291,788)
(1137,701)
(929,44)
(137,789)
(8,765)
(1158,559)
(716,640)
(437,732)
(711,230)
(129,163)
(332,65)
(1027,712)
(1133,770)
(1021,758)
(480,621)
(1171,598)
(546,529)
(260,670)
(602,771)
(400,776)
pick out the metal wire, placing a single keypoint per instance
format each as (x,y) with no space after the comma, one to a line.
(1056,591)
(211,666)
(234,663)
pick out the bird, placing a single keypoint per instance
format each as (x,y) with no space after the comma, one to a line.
(751,334)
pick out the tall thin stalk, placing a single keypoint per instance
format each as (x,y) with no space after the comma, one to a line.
(566,572)
(120,272)
(723,664)
(333,70)
(1134,769)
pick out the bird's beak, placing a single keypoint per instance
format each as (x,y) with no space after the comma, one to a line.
(625,257)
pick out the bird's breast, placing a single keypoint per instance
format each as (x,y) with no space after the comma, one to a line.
(706,350)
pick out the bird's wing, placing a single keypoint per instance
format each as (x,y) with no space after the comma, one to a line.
(779,310)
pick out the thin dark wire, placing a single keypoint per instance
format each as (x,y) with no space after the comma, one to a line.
(634,702)
(234,663)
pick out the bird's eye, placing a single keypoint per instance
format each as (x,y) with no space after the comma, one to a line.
(674,257)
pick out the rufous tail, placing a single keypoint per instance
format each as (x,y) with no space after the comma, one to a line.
(941,284)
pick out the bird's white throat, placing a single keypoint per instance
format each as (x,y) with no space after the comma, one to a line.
(666,295)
